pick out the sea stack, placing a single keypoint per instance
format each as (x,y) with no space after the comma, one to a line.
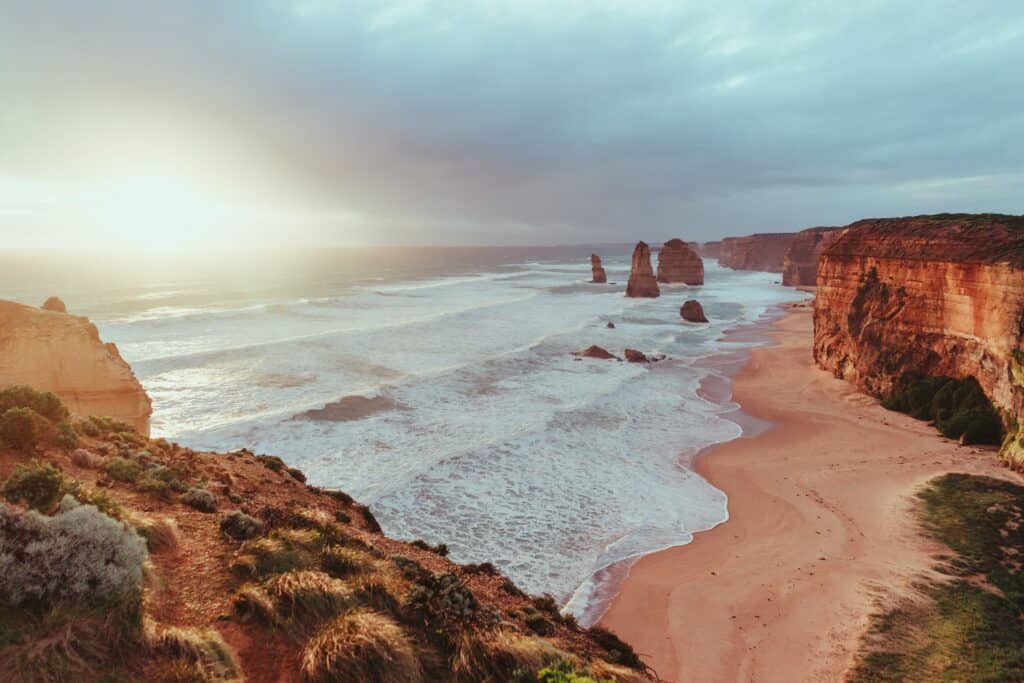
(693,312)
(50,350)
(641,276)
(597,269)
(678,262)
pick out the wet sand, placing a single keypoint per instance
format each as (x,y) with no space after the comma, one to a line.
(820,529)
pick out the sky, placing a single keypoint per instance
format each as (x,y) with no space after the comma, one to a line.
(323,122)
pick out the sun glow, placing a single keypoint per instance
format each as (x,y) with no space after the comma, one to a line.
(154,210)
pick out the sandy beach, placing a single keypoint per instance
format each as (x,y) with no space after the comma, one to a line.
(819,531)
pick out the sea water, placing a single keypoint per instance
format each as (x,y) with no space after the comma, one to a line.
(487,434)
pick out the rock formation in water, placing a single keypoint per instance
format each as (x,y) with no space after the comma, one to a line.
(54,304)
(763,251)
(800,265)
(53,351)
(634,356)
(678,262)
(641,276)
(942,295)
(596,351)
(597,269)
(693,312)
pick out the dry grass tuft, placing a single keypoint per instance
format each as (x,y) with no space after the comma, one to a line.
(161,533)
(308,596)
(361,646)
(203,648)
(496,656)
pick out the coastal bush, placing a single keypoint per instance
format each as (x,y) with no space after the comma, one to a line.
(23,428)
(958,407)
(361,646)
(443,599)
(38,485)
(108,425)
(619,651)
(240,526)
(967,628)
(162,482)
(161,533)
(79,554)
(44,403)
(499,655)
(123,469)
(86,459)
(565,672)
(200,499)
(441,549)
(98,498)
(67,438)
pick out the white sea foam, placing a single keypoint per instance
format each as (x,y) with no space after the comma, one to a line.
(501,445)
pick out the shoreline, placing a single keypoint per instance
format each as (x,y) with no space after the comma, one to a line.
(600,589)
(818,531)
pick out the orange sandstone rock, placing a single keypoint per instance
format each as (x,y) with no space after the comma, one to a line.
(800,265)
(678,262)
(641,275)
(597,269)
(763,251)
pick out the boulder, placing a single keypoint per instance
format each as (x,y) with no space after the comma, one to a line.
(693,312)
(678,262)
(610,325)
(54,304)
(642,283)
(597,270)
(596,351)
(634,356)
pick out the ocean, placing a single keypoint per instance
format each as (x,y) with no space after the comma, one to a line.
(456,409)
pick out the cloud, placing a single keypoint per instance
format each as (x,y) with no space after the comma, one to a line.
(440,120)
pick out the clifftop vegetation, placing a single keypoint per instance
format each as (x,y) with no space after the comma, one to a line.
(124,558)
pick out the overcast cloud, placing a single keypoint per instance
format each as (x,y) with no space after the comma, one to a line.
(425,121)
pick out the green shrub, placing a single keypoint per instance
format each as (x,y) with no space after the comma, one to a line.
(123,469)
(564,672)
(161,481)
(43,402)
(79,554)
(619,651)
(98,498)
(108,425)
(958,407)
(200,499)
(67,438)
(38,485)
(23,428)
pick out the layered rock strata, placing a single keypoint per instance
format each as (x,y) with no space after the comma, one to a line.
(641,276)
(678,262)
(763,251)
(800,265)
(53,351)
(940,295)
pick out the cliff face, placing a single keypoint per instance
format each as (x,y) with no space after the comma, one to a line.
(800,264)
(710,249)
(677,262)
(641,275)
(597,270)
(54,351)
(927,295)
(763,251)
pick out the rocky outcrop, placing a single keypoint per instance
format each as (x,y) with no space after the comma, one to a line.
(634,356)
(938,295)
(53,351)
(763,251)
(597,270)
(54,304)
(710,249)
(800,265)
(641,275)
(678,262)
(596,351)
(693,312)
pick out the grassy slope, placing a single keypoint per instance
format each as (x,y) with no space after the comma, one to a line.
(971,626)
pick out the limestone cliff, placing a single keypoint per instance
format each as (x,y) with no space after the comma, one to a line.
(641,275)
(53,351)
(927,295)
(800,264)
(678,262)
(710,249)
(762,251)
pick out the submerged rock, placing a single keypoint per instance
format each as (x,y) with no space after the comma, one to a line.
(596,351)
(610,325)
(641,276)
(693,312)
(634,356)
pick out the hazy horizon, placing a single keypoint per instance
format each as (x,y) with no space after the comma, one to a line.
(437,123)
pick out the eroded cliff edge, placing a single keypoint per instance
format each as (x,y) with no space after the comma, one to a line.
(900,298)
(54,351)
(762,251)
